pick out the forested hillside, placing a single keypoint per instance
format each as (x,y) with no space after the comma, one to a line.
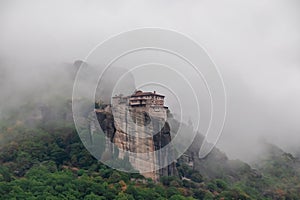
(48,161)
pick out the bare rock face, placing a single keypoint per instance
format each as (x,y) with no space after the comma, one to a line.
(142,132)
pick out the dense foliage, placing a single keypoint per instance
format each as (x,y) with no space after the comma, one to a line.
(48,161)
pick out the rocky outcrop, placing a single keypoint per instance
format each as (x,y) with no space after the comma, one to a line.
(137,131)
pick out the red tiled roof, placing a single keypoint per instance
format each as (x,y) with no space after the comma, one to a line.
(141,93)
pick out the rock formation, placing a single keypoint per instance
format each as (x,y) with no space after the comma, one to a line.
(138,124)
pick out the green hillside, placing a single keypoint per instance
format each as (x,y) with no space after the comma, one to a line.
(47,160)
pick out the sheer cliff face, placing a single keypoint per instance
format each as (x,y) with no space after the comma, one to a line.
(139,130)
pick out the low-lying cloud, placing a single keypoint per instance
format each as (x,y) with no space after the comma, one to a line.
(255,44)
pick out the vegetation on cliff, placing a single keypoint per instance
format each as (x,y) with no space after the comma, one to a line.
(48,161)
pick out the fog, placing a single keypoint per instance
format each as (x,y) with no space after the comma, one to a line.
(255,44)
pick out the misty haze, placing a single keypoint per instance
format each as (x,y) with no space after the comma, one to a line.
(137,132)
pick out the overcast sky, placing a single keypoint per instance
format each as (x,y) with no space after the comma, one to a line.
(255,44)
